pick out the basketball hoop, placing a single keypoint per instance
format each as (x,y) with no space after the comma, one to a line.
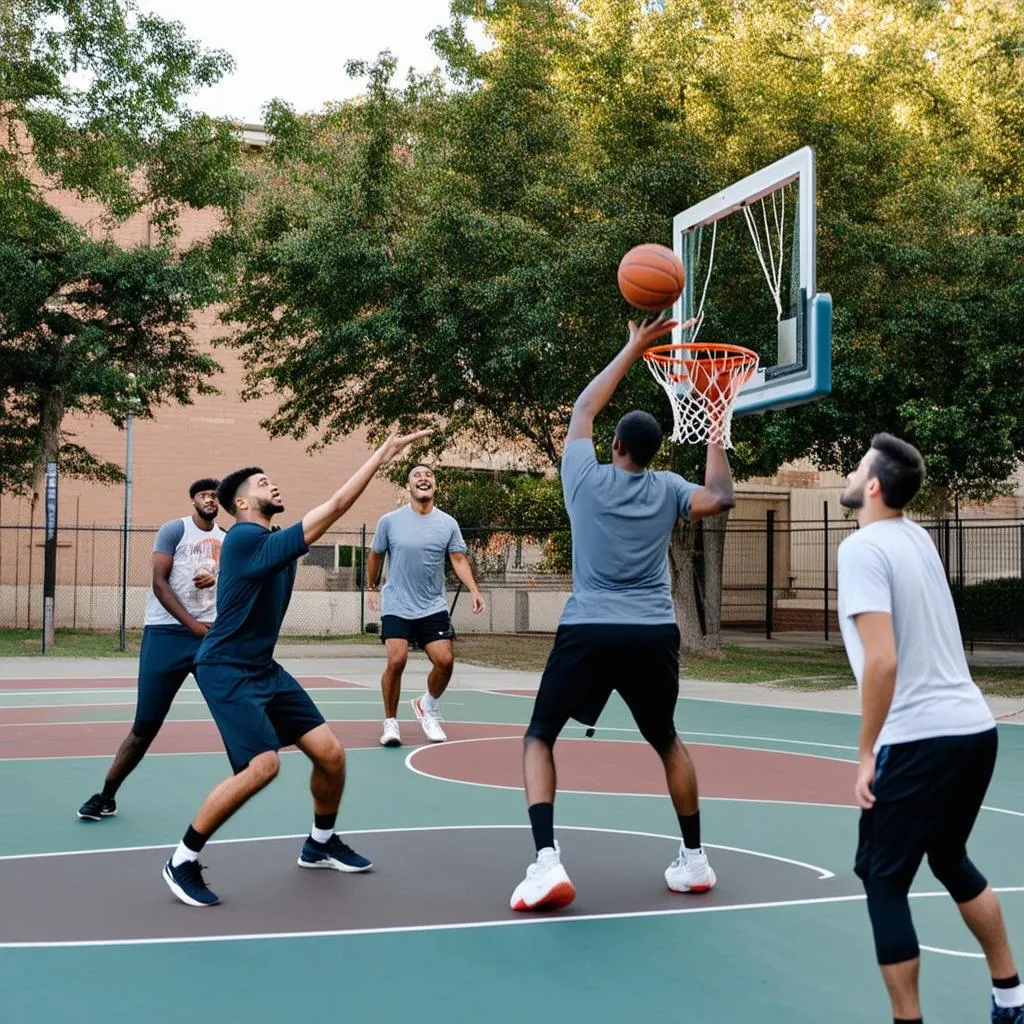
(702,383)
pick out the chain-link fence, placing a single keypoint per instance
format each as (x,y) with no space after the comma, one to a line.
(777,576)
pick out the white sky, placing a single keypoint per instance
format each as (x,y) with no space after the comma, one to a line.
(296,50)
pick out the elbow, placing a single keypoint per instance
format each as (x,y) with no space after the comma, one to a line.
(881,666)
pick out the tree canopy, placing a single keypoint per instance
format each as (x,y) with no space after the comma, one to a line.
(92,103)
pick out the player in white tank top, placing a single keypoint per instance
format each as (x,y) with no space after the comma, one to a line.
(182,606)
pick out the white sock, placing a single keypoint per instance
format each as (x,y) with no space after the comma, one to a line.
(321,835)
(182,854)
(1009,997)
(698,851)
(429,703)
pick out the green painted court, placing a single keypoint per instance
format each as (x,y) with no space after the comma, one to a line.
(89,932)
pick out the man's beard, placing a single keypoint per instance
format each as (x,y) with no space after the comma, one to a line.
(207,516)
(853,499)
(269,508)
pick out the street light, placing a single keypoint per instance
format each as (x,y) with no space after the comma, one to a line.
(133,403)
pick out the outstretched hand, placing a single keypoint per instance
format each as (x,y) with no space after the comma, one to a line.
(644,334)
(397,443)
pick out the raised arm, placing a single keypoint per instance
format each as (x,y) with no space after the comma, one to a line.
(598,393)
(317,521)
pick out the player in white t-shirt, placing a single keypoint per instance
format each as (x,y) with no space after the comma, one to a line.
(927,739)
(181,608)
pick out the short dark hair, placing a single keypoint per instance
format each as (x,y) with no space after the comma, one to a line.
(228,487)
(206,484)
(899,469)
(640,434)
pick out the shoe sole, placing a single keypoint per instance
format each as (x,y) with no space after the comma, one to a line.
(333,865)
(697,889)
(96,817)
(561,895)
(422,720)
(181,894)
(391,742)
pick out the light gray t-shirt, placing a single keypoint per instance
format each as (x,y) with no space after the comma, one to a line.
(892,566)
(192,549)
(621,525)
(416,546)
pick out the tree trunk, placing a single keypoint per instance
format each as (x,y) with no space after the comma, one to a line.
(680,557)
(51,415)
(714,558)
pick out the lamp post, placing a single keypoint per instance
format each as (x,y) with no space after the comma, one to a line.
(133,402)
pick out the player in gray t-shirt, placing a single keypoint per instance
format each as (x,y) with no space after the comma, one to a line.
(416,539)
(618,629)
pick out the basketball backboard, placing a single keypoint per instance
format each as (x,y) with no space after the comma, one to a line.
(750,258)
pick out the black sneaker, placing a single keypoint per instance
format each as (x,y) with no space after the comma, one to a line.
(333,854)
(186,882)
(1007,1014)
(97,807)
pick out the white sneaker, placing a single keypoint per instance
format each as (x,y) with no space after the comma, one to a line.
(690,872)
(430,720)
(546,885)
(391,737)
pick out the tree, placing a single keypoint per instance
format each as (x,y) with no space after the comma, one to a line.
(92,102)
(450,254)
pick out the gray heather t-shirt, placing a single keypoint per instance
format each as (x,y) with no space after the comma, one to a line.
(621,524)
(416,546)
(892,567)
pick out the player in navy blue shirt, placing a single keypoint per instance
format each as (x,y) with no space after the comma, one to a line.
(257,705)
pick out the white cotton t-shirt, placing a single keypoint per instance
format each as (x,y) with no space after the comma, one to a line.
(192,549)
(892,566)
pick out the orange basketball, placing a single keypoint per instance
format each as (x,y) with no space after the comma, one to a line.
(651,277)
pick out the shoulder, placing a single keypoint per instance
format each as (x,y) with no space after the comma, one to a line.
(445,518)
(169,536)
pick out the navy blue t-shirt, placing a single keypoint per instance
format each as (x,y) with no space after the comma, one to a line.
(257,572)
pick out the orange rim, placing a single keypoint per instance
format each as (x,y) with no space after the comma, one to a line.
(684,358)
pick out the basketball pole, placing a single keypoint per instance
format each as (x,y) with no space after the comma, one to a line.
(126,526)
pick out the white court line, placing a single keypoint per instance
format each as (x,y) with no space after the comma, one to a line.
(131,704)
(951,952)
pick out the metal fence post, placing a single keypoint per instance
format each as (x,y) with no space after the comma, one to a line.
(769,572)
(362,579)
(825,588)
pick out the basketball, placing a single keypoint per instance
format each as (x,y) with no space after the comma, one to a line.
(651,277)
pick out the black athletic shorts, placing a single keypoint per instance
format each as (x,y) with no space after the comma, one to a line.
(256,710)
(927,796)
(588,661)
(417,631)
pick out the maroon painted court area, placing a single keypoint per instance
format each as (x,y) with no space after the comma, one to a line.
(101,739)
(606,766)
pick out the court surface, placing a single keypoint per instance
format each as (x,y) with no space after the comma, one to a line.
(89,932)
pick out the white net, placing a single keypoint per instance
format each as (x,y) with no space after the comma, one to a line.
(702,383)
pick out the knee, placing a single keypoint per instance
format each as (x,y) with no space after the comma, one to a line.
(891,924)
(664,741)
(144,732)
(444,662)
(331,761)
(538,736)
(263,768)
(958,876)
(396,662)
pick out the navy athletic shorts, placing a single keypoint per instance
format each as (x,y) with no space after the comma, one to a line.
(256,710)
(167,657)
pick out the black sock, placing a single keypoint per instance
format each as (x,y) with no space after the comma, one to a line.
(907,1020)
(689,824)
(325,821)
(1012,982)
(109,789)
(542,822)
(194,840)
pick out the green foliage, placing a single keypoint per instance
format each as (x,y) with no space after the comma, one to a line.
(450,257)
(92,103)
(992,609)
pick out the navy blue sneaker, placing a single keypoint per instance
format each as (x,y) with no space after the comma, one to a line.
(186,882)
(96,808)
(1007,1014)
(333,854)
